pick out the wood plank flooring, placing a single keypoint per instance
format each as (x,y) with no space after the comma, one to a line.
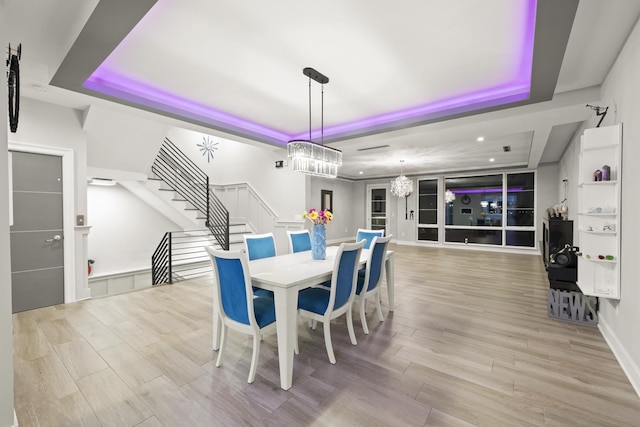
(469,344)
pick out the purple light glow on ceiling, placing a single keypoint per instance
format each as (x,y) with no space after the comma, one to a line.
(485,190)
(114,84)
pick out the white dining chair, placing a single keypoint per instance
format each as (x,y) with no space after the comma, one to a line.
(368,235)
(260,246)
(299,240)
(323,305)
(368,285)
(237,306)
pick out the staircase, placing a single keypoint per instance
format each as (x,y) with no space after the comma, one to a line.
(180,254)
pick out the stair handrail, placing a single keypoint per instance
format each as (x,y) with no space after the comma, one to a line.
(252,191)
(185,178)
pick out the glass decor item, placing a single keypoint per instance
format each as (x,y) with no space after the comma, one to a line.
(319,242)
(318,232)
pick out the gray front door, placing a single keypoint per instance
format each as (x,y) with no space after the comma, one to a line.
(37,262)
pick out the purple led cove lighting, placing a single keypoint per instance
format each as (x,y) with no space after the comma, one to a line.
(516,89)
(470,100)
(110,83)
(486,190)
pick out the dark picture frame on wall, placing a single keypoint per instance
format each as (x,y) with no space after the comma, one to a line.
(326,200)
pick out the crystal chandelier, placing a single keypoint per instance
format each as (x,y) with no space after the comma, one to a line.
(449,196)
(307,156)
(401,186)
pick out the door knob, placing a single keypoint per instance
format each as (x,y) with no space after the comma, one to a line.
(55,238)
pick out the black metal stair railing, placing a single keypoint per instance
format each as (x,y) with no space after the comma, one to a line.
(161,261)
(184,177)
(181,255)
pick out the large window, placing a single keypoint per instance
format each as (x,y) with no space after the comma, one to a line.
(428,210)
(520,209)
(494,209)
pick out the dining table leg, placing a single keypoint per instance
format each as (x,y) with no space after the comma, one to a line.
(286,302)
(388,266)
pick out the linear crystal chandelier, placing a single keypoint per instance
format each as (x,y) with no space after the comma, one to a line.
(310,157)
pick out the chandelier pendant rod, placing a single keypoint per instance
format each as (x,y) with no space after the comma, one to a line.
(322,115)
(309,108)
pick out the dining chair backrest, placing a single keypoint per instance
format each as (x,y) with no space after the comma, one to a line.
(368,235)
(343,279)
(260,245)
(233,285)
(375,263)
(299,240)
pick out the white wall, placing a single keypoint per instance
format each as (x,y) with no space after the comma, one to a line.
(6,340)
(547,192)
(236,162)
(110,133)
(124,230)
(619,320)
(345,223)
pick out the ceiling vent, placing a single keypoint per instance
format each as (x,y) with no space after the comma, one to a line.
(373,148)
(506,148)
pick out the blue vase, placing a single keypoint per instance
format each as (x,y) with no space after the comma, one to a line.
(319,242)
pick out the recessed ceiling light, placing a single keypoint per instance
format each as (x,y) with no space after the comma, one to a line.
(361,172)
(492,159)
(480,138)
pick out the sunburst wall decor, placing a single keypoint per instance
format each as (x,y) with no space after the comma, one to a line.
(208,147)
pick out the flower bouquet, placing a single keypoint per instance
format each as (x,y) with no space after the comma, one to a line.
(319,218)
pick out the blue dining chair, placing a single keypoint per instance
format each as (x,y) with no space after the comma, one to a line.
(299,241)
(237,306)
(368,235)
(368,285)
(260,246)
(322,304)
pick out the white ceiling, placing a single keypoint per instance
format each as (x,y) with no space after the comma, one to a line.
(380,57)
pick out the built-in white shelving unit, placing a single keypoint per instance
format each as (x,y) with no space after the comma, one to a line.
(599,212)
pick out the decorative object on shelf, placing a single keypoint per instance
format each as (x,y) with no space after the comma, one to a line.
(402,187)
(319,218)
(606,173)
(597,175)
(208,147)
(13,85)
(307,156)
(90,262)
(608,227)
(564,209)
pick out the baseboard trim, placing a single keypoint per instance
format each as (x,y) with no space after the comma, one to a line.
(628,365)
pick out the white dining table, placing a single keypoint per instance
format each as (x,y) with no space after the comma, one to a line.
(286,275)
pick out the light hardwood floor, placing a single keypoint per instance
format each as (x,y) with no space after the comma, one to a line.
(469,344)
